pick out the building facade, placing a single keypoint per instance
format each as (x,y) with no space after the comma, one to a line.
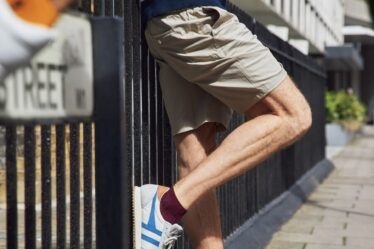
(359,31)
(312,24)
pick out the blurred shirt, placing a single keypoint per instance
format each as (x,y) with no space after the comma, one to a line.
(153,8)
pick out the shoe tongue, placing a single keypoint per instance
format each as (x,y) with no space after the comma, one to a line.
(158,211)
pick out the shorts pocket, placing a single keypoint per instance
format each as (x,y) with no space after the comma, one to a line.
(214,14)
(157,28)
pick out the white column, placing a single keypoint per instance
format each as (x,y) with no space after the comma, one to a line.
(302,16)
(280,31)
(278,6)
(295,12)
(301,45)
(287,10)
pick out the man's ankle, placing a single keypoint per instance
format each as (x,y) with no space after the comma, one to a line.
(170,207)
(161,191)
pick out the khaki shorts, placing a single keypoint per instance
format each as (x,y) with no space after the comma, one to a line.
(210,64)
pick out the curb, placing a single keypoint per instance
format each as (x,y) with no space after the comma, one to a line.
(257,232)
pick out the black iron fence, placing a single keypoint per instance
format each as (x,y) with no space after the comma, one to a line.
(48,168)
(87,169)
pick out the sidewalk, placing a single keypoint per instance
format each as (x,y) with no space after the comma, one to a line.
(340,213)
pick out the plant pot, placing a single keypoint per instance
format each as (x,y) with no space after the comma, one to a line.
(337,135)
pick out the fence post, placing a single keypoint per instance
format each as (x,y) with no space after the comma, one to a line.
(113,180)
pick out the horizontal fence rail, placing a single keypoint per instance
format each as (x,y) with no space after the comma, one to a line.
(68,185)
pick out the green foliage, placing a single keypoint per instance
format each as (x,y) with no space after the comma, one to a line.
(341,106)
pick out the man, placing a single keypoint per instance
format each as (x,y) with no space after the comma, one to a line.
(25,27)
(211,64)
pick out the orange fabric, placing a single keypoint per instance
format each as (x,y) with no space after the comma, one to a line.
(35,11)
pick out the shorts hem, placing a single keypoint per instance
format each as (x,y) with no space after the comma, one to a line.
(282,76)
(222,126)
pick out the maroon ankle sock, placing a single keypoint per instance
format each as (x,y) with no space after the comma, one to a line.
(171,209)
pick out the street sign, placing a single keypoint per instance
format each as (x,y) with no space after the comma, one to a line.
(58,83)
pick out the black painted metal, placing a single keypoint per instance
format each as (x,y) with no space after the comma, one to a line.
(11,186)
(150,154)
(30,214)
(61,185)
(99,7)
(46,186)
(134,142)
(74,187)
(87,176)
(86,6)
(113,179)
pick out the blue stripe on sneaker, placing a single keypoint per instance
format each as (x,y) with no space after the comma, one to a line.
(151,225)
(153,230)
(150,240)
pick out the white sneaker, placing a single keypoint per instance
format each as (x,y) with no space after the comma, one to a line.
(19,40)
(151,230)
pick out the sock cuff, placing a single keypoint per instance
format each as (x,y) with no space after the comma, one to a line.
(170,207)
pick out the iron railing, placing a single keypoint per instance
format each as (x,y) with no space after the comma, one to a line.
(129,141)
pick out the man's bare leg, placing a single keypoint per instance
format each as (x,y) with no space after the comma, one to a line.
(278,120)
(193,148)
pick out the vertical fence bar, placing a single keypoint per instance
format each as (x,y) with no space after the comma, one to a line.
(87,176)
(113,176)
(109,8)
(74,187)
(152,119)
(145,91)
(86,6)
(118,11)
(61,187)
(46,187)
(30,214)
(130,89)
(137,92)
(11,186)
(99,7)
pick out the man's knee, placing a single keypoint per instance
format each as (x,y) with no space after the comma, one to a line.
(287,102)
(301,121)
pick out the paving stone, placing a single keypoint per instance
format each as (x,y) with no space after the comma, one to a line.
(323,224)
(309,207)
(321,246)
(360,242)
(307,217)
(358,233)
(364,204)
(298,229)
(340,213)
(333,203)
(366,217)
(358,227)
(308,238)
(324,212)
(358,219)
(285,245)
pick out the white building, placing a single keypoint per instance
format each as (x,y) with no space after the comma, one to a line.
(357,13)
(358,31)
(312,24)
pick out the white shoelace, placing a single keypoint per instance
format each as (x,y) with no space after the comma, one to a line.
(173,233)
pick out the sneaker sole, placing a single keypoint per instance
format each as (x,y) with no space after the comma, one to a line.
(137,216)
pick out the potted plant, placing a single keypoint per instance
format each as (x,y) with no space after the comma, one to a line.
(345,117)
